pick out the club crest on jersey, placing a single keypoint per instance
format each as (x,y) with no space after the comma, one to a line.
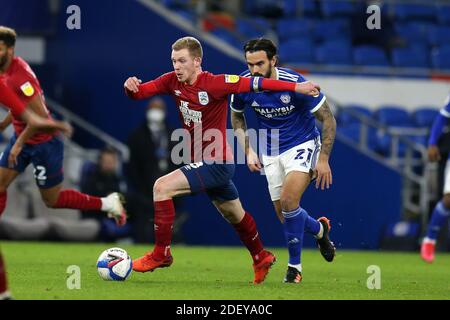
(203,98)
(285,98)
(27,89)
(231,78)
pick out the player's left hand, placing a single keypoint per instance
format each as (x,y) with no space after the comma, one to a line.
(324,176)
(13,154)
(308,88)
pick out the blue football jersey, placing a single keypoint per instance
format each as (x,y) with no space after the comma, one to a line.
(445,111)
(287,117)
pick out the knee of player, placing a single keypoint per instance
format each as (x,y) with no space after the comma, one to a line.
(161,187)
(289,203)
(50,202)
(446,201)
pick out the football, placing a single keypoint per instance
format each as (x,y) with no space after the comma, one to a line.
(114,264)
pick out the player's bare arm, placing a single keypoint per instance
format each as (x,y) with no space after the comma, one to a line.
(433,153)
(325,116)
(6,122)
(35,115)
(240,130)
(132,84)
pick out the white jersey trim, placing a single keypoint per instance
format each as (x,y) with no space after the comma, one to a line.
(445,113)
(317,107)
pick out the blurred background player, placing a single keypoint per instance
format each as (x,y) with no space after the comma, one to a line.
(441,211)
(43,149)
(150,147)
(297,159)
(202,101)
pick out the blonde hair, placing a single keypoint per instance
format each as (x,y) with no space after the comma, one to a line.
(8,36)
(193,45)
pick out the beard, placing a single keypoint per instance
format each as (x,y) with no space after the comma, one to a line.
(3,61)
(267,75)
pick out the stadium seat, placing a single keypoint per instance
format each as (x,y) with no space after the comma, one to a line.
(413,57)
(440,57)
(443,14)
(288,28)
(331,29)
(335,52)
(353,132)
(392,116)
(344,118)
(175,4)
(424,117)
(440,35)
(414,12)
(370,56)
(414,31)
(337,8)
(298,50)
(299,7)
(252,28)
(228,37)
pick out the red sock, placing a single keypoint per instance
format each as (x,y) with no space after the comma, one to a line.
(3,286)
(164,217)
(246,229)
(72,199)
(3,197)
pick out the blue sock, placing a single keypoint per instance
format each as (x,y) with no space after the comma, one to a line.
(312,226)
(294,226)
(440,213)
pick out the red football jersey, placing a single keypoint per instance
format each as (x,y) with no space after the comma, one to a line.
(202,105)
(23,82)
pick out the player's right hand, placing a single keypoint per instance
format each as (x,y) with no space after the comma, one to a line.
(132,84)
(308,88)
(253,162)
(434,154)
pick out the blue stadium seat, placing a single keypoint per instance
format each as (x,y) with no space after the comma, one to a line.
(298,50)
(303,7)
(175,4)
(370,56)
(252,28)
(335,52)
(424,117)
(413,57)
(288,28)
(353,131)
(440,57)
(440,35)
(332,29)
(228,37)
(395,116)
(414,31)
(345,119)
(414,11)
(337,8)
(443,14)
(392,116)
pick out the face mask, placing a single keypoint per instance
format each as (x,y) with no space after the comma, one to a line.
(155,115)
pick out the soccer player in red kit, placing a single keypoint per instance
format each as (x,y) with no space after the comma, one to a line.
(20,89)
(202,101)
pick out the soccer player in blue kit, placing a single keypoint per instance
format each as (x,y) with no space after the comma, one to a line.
(442,210)
(298,157)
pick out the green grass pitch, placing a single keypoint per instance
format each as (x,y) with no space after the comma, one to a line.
(38,270)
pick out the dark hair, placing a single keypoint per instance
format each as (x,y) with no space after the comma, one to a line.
(8,36)
(261,44)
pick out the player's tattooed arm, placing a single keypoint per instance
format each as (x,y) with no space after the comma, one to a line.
(6,122)
(325,116)
(240,128)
